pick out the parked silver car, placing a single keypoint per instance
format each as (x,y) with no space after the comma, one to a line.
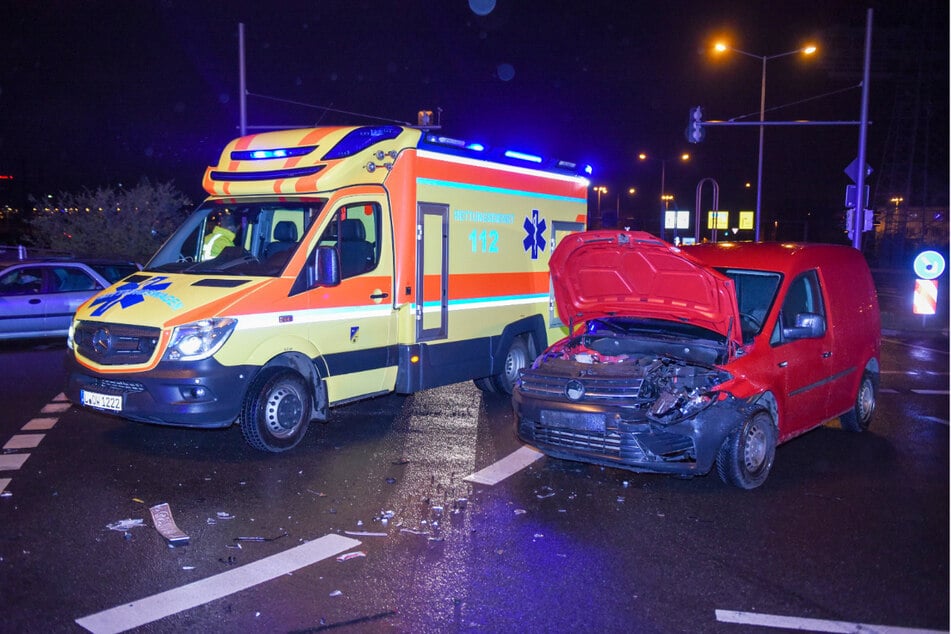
(38,297)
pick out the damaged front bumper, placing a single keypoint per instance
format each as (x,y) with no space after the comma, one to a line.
(624,436)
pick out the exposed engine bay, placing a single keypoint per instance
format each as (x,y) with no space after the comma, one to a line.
(668,378)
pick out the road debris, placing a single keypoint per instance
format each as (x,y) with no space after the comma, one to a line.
(355,554)
(365,534)
(544,492)
(260,539)
(165,525)
(125,525)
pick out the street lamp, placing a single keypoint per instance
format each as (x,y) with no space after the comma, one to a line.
(720,47)
(600,189)
(664,198)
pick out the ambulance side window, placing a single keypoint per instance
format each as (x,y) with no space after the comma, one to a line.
(355,232)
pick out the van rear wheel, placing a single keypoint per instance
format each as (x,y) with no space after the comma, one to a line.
(859,417)
(276,410)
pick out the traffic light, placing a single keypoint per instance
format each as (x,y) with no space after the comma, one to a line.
(695,131)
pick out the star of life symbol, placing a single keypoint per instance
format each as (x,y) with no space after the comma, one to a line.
(535,228)
(130,294)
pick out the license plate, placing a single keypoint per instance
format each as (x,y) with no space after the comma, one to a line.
(110,402)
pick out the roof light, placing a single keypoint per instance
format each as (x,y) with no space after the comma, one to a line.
(360,139)
(261,155)
(523,156)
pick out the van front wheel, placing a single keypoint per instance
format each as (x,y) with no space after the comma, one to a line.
(276,410)
(746,455)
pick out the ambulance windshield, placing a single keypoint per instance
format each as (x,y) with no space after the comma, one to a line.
(235,237)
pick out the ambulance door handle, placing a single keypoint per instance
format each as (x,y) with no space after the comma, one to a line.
(379,296)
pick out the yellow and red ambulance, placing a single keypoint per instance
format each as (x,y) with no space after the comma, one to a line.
(328,265)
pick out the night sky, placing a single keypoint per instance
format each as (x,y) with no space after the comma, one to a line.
(100,93)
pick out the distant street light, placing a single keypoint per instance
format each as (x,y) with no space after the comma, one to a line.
(721,47)
(600,189)
(664,197)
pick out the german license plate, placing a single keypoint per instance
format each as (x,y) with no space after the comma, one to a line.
(110,402)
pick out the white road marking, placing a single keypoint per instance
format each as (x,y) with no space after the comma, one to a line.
(812,625)
(914,345)
(129,615)
(509,465)
(12,461)
(930,392)
(60,398)
(24,441)
(39,424)
(53,408)
(4,483)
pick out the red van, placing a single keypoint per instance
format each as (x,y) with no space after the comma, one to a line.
(679,359)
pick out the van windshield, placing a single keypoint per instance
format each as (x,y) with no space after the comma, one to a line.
(755,294)
(238,237)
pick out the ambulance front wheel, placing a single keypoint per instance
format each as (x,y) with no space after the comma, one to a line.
(276,410)
(516,360)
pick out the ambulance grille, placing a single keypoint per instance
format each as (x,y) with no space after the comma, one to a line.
(115,344)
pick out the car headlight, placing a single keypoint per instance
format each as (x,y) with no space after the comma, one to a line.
(200,339)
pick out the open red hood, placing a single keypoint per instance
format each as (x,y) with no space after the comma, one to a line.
(634,274)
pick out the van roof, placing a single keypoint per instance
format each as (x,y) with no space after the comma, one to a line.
(782,257)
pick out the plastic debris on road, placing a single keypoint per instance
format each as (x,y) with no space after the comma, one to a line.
(365,534)
(125,525)
(353,555)
(165,525)
(260,539)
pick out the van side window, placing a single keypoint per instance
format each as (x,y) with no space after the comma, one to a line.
(354,231)
(803,301)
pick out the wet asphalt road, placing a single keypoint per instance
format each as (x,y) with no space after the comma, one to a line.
(849,528)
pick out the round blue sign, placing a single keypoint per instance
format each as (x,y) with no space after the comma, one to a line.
(929,265)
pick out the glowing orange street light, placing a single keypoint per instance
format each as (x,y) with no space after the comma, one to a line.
(722,47)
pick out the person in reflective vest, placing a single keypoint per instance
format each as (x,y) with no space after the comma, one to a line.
(220,237)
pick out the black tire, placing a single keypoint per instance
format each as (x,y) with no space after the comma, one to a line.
(516,359)
(276,410)
(485,384)
(858,418)
(747,454)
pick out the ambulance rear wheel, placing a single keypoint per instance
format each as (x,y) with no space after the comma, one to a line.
(276,410)
(516,360)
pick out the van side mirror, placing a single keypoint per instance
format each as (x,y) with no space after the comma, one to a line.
(326,267)
(808,326)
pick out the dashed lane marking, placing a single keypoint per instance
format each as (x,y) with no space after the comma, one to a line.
(509,465)
(12,461)
(811,625)
(129,615)
(55,407)
(3,484)
(40,424)
(24,441)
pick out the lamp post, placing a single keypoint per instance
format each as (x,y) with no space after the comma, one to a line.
(600,189)
(806,50)
(664,198)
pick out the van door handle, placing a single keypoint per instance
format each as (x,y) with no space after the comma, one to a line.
(379,296)
(826,355)
(783,364)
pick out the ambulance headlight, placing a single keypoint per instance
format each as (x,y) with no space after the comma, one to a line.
(200,339)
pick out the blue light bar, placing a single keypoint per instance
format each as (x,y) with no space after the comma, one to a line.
(261,155)
(360,139)
(294,172)
(523,156)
